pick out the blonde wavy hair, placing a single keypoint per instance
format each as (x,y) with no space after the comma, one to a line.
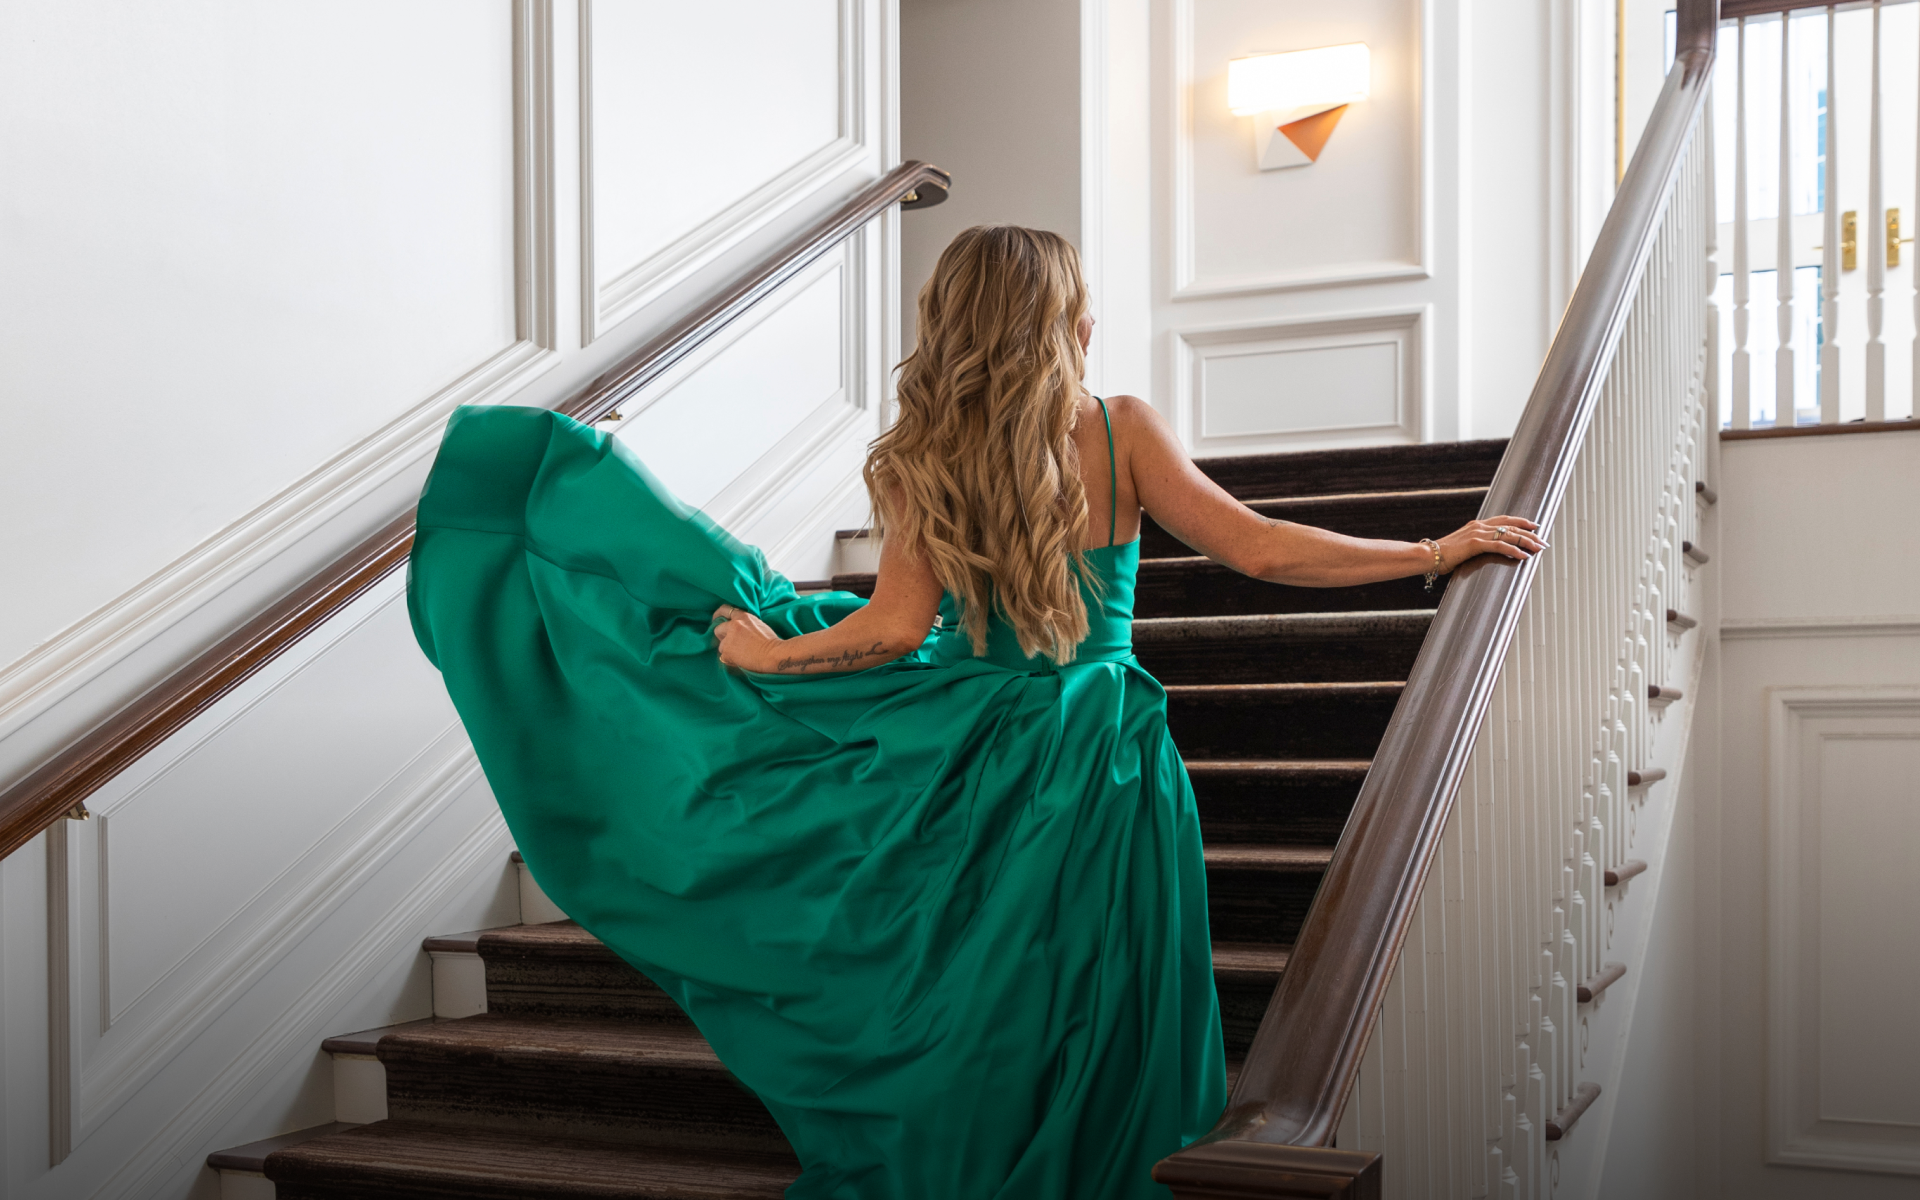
(979,475)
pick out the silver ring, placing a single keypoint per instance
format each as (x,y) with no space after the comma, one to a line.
(1500,533)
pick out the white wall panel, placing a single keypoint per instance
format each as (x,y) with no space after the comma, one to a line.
(241,225)
(738,402)
(1806,887)
(1843,928)
(681,153)
(353,219)
(1292,385)
(1356,213)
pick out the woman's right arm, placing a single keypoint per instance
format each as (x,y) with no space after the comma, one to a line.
(1200,513)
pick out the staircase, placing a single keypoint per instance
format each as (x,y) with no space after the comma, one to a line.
(581,1079)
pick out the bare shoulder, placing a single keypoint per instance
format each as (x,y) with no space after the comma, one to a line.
(1135,420)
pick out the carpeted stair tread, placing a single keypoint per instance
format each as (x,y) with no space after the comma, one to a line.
(1301,720)
(644,1082)
(553,939)
(558,969)
(1421,466)
(1281,647)
(1195,586)
(1401,516)
(1290,625)
(403,1160)
(499,1036)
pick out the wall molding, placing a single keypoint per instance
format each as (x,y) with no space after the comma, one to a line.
(200,1116)
(1189,285)
(604,303)
(58,667)
(150,1030)
(1751,628)
(1797,1133)
(1407,325)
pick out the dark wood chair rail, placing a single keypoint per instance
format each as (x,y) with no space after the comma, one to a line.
(1306,1055)
(64,781)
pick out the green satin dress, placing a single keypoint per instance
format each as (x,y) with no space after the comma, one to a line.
(946,917)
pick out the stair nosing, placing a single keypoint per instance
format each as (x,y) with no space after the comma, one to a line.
(1279,859)
(252,1156)
(672,1044)
(366,1041)
(1279,766)
(1397,493)
(1171,628)
(1316,686)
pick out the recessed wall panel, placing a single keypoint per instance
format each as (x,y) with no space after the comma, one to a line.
(1293,391)
(1285,385)
(240,237)
(1353,214)
(681,151)
(710,428)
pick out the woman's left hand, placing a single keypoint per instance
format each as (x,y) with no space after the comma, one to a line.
(745,640)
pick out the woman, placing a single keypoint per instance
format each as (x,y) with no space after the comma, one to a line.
(938,900)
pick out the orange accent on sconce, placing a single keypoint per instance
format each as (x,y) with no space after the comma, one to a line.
(1311,133)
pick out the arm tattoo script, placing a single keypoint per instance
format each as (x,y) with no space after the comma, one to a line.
(846,658)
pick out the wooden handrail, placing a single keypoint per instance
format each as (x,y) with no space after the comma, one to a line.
(62,784)
(1306,1055)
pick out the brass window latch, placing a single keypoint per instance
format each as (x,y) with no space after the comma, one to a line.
(1893,237)
(1849,240)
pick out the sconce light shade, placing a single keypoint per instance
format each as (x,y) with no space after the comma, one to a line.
(1299,97)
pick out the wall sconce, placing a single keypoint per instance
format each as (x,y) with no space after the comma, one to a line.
(1298,98)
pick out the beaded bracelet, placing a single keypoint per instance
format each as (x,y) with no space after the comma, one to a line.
(1434,574)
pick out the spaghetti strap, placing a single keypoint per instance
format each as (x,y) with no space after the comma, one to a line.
(1113,476)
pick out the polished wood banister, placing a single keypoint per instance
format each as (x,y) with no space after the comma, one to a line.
(1306,1055)
(62,784)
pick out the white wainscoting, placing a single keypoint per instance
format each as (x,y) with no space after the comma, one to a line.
(264,878)
(1843,937)
(1359,214)
(765,427)
(299,300)
(782,103)
(1287,385)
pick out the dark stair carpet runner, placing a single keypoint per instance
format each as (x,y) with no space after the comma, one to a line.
(584,1080)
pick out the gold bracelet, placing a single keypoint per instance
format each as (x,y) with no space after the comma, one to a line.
(1434,574)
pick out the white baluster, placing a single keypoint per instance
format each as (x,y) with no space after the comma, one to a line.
(1742,400)
(1830,246)
(1874,237)
(1783,400)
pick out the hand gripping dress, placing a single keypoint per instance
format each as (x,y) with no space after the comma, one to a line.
(946,917)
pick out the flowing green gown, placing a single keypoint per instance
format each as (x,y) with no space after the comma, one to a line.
(946,917)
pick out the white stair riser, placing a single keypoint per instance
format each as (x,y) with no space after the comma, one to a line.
(535,908)
(359,1089)
(459,985)
(245,1185)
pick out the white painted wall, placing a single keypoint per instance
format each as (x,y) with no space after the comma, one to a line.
(1818,693)
(1401,289)
(267,252)
(991,92)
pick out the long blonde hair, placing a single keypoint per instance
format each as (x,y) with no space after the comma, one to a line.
(979,476)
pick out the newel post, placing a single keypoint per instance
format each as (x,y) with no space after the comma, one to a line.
(1232,1170)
